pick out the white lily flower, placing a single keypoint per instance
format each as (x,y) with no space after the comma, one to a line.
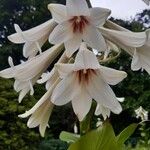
(33,38)
(136,44)
(141,113)
(40,113)
(27,73)
(146,2)
(86,80)
(51,76)
(77,22)
(104,111)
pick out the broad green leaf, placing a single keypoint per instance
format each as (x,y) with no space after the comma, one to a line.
(69,137)
(126,133)
(102,138)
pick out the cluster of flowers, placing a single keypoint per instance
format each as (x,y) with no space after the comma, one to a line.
(78,76)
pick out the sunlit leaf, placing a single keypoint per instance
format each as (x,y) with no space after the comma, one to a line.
(69,137)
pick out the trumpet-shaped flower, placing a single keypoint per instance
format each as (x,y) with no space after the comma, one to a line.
(104,111)
(136,44)
(33,38)
(86,80)
(27,73)
(77,22)
(40,113)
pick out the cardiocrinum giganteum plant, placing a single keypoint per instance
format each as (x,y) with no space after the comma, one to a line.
(78,31)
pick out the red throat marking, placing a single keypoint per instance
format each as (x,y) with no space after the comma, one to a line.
(84,76)
(79,23)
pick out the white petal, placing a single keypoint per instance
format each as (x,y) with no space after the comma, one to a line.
(131,39)
(98,15)
(37,65)
(136,63)
(72,45)
(45,120)
(103,94)
(64,69)
(94,38)
(86,59)
(45,97)
(111,25)
(29,49)
(7,73)
(22,94)
(102,110)
(77,8)
(61,33)
(19,85)
(121,99)
(82,104)
(112,76)
(59,12)
(65,91)
(33,34)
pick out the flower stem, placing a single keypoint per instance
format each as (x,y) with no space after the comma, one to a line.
(89,3)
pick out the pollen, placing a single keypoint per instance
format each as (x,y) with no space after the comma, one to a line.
(78,23)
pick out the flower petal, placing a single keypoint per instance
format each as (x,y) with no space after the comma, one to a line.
(111,25)
(131,39)
(77,8)
(85,59)
(94,38)
(64,69)
(82,104)
(22,94)
(72,45)
(112,76)
(136,63)
(65,91)
(102,110)
(33,34)
(103,94)
(59,12)
(61,33)
(45,97)
(98,15)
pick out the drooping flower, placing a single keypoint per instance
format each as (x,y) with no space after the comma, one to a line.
(141,113)
(77,22)
(50,77)
(136,44)
(86,80)
(33,38)
(104,111)
(40,113)
(27,73)
(146,2)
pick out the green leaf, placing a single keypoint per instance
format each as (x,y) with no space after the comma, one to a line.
(126,133)
(69,137)
(102,138)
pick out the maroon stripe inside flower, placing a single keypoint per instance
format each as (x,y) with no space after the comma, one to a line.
(79,23)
